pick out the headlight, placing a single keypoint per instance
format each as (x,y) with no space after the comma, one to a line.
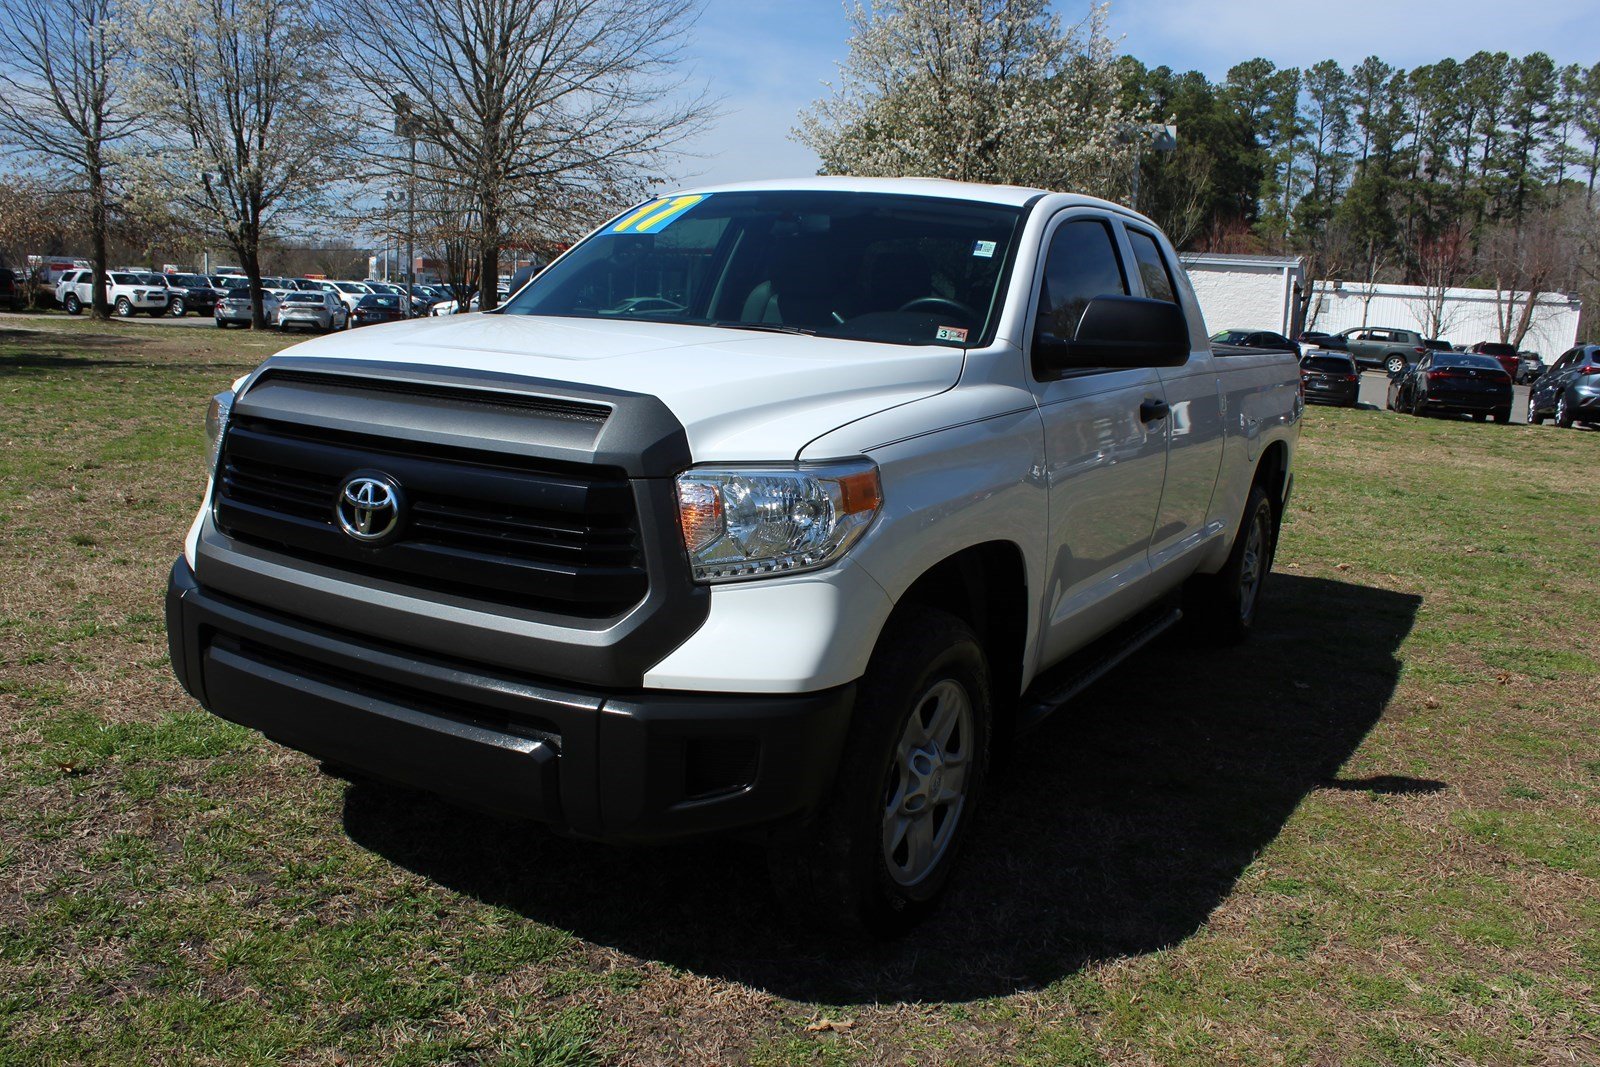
(216,422)
(750,523)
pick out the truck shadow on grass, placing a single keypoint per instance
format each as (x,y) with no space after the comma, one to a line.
(1114,830)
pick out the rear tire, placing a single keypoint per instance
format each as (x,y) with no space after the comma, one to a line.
(1563,416)
(876,856)
(1503,416)
(1222,608)
(72,304)
(1480,416)
(1394,363)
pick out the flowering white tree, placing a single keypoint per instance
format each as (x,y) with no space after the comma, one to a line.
(977,90)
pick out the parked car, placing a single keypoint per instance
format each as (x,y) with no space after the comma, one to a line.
(1454,383)
(1505,354)
(11,290)
(127,293)
(234,307)
(422,300)
(1256,339)
(1382,346)
(348,292)
(378,307)
(1330,378)
(1529,367)
(194,293)
(783,564)
(1569,392)
(320,310)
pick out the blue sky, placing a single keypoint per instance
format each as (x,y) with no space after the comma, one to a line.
(768,59)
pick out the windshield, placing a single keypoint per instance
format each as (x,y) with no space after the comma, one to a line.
(900,269)
(1453,359)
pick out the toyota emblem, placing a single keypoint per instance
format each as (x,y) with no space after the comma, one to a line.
(368,508)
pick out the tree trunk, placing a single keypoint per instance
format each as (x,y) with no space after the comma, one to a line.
(97,239)
(250,252)
(489,277)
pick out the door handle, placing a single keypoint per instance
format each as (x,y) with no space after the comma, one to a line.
(1153,411)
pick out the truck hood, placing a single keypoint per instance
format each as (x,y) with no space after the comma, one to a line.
(740,395)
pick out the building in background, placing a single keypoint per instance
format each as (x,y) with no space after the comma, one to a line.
(1467,316)
(1239,292)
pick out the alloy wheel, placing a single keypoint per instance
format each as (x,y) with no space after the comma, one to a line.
(927,787)
(1253,566)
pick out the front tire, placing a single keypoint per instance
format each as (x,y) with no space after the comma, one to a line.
(876,856)
(1563,417)
(124,308)
(176,309)
(1222,607)
(1534,418)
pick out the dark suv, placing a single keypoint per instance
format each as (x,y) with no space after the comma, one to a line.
(1569,391)
(11,295)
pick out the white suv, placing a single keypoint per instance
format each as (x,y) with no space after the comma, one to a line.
(127,292)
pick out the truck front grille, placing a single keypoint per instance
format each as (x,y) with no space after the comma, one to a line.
(502,528)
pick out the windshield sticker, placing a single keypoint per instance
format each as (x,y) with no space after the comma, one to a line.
(983,249)
(951,333)
(656,215)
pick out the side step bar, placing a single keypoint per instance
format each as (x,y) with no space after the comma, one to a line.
(1083,668)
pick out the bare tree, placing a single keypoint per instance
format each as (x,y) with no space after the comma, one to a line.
(528,104)
(248,86)
(1442,264)
(63,75)
(1525,261)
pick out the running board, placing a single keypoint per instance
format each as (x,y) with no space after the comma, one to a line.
(1083,668)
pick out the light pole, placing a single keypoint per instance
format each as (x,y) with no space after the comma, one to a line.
(395,196)
(1155,136)
(408,125)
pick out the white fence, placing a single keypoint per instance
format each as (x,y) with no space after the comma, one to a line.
(1469,315)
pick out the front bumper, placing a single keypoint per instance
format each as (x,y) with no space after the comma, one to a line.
(622,766)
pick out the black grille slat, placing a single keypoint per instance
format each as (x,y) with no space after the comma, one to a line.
(563,539)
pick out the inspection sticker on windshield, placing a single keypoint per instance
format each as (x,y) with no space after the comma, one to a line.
(983,249)
(951,333)
(656,215)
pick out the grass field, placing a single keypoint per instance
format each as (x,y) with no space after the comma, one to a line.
(1371,836)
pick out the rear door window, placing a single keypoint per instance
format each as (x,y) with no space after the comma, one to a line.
(1153,270)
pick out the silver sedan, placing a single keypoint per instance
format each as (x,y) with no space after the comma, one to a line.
(319,310)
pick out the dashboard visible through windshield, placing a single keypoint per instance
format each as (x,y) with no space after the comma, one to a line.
(867,266)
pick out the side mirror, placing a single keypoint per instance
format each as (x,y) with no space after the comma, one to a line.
(1118,332)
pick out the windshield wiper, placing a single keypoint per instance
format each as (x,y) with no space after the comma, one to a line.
(764,327)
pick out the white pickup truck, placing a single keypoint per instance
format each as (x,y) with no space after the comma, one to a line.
(776,508)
